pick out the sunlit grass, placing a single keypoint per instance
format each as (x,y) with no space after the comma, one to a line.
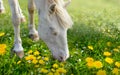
(94,42)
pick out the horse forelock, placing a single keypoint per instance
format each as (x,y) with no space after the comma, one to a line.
(63,17)
(61,14)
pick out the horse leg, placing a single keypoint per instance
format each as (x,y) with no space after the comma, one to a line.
(17,48)
(22,17)
(67,3)
(33,34)
(2,9)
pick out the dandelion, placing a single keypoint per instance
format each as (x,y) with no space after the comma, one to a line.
(55,66)
(36,66)
(61,64)
(115,71)
(27,58)
(50,73)
(109,60)
(46,58)
(89,59)
(18,62)
(30,57)
(53,70)
(38,57)
(34,61)
(2,49)
(109,44)
(118,46)
(61,70)
(3,46)
(117,64)
(36,53)
(90,47)
(101,72)
(56,73)
(116,50)
(107,54)
(98,64)
(2,34)
(90,64)
(41,62)
(44,70)
(30,52)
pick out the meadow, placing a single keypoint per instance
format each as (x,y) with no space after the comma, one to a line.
(94,42)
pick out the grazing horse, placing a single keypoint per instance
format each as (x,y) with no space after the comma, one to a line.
(54,22)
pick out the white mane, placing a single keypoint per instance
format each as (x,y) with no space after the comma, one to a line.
(62,15)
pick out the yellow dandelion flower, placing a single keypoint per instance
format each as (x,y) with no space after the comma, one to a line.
(36,53)
(61,64)
(55,66)
(116,50)
(34,61)
(46,58)
(89,59)
(2,34)
(56,73)
(107,54)
(2,51)
(90,47)
(53,70)
(109,60)
(30,52)
(109,44)
(61,70)
(18,62)
(36,66)
(101,72)
(117,64)
(98,64)
(44,70)
(38,57)
(41,62)
(50,73)
(3,46)
(30,57)
(27,58)
(90,64)
(118,46)
(115,71)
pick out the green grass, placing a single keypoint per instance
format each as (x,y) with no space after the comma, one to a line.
(96,23)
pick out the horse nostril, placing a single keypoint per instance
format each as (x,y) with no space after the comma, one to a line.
(61,58)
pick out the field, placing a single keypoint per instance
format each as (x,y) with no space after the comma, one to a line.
(94,42)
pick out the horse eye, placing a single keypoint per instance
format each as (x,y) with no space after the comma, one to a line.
(53,31)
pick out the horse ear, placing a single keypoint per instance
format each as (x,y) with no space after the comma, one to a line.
(52,8)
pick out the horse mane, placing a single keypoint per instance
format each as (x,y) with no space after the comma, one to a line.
(62,15)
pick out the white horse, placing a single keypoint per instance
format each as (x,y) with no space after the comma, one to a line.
(54,22)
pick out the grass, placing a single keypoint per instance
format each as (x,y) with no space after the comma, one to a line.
(96,30)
